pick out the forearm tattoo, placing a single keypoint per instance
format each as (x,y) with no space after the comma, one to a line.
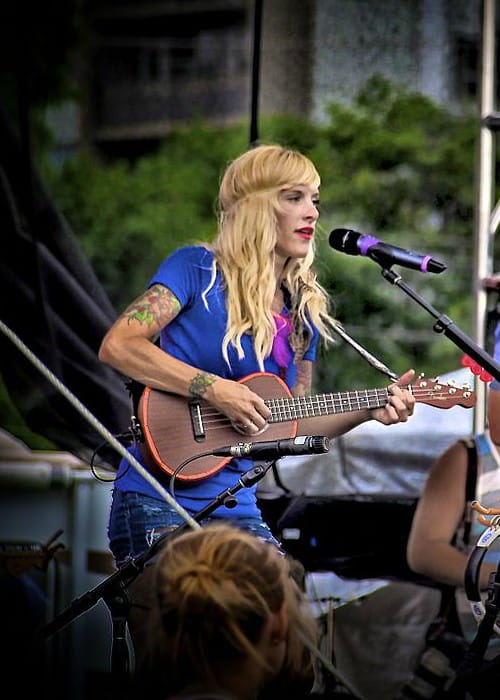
(200,383)
(156,306)
(303,382)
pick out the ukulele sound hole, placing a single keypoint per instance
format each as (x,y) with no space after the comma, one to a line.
(242,431)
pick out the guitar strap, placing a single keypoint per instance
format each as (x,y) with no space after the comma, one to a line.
(470,487)
(135,390)
(277,478)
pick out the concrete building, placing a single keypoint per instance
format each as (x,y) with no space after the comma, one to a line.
(156,64)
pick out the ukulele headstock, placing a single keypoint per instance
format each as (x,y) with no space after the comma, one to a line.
(441,394)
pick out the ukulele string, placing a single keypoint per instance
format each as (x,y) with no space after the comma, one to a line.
(214,419)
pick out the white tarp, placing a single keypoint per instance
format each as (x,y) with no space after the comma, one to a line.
(374,459)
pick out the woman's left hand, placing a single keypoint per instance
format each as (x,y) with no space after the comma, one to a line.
(401,402)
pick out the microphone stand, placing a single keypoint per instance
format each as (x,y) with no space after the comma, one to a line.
(113,590)
(445,325)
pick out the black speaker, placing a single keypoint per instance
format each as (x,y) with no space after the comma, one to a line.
(353,536)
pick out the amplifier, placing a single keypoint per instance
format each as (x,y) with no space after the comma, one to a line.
(353,536)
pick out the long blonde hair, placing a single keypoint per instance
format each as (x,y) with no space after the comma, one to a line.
(244,251)
(214,590)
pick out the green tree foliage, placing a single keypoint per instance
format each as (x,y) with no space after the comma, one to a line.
(393,164)
(400,167)
(129,216)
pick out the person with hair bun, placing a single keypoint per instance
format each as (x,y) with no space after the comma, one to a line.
(247,303)
(227,621)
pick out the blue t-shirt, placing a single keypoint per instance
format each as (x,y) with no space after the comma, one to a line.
(195,336)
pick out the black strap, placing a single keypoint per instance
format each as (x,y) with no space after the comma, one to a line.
(470,485)
(277,478)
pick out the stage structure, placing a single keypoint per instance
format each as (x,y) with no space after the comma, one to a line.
(487,217)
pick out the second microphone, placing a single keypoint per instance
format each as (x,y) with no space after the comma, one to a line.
(274,449)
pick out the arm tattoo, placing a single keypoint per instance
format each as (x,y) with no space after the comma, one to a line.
(303,382)
(157,305)
(200,383)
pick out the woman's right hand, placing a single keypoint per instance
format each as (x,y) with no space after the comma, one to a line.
(245,409)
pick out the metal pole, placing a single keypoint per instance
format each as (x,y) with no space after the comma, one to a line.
(484,194)
(257,33)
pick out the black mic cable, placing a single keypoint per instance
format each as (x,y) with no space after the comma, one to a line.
(269,450)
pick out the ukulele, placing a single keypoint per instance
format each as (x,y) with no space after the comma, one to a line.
(175,429)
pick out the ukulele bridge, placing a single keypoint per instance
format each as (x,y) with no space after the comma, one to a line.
(199,433)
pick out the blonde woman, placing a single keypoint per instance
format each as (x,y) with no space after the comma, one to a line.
(249,303)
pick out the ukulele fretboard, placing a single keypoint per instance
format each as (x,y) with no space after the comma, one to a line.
(285,409)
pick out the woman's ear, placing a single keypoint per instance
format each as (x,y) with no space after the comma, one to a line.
(273,643)
(279,625)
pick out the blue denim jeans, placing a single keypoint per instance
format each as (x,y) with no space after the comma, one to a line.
(136,521)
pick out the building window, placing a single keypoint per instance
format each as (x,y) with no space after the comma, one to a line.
(468,67)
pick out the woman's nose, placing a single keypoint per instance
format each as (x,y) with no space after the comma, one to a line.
(312,212)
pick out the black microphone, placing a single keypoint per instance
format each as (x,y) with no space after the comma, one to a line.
(273,449)
(354,243)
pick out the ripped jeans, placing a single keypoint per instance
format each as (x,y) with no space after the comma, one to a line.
(136,521)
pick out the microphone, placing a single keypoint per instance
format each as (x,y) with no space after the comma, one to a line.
(354,243)
(273,449)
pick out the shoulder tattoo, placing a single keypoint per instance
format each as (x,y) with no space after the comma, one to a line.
(158,305)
